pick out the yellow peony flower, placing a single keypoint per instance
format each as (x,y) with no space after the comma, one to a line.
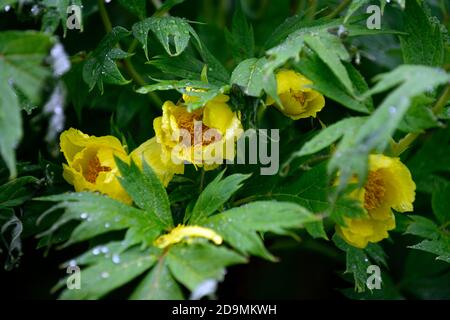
(203,137)
(297,98)
(182,233)
(160,162)
(90,163)
(389,185)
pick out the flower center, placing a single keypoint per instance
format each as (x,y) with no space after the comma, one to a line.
(186,121)
(93,169)
(374,190)
(299,96)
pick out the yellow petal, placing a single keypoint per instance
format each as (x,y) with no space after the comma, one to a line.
(218,115)
(397,180)
(158,160)
(182,232)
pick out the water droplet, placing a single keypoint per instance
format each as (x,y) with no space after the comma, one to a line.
(104,249)
(107,225)
(84,215)
(72,263)
(392,110)
(104,275)
(35,10)
(116,258)
(107,1)
(7,8)
(96,251)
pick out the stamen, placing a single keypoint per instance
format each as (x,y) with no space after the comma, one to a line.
(93,169)
(374,190)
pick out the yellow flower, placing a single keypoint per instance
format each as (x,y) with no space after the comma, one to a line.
(203,137)
(389,185)
(161,164)
(297,98)
(90,163)
(181,233)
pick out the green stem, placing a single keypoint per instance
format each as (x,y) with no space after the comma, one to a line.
(341,7)
(104,15)
(311,11)
(406,141)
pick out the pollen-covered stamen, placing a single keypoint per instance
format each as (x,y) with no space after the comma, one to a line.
(94,167)
(374,190)
(299,96)
(190,121)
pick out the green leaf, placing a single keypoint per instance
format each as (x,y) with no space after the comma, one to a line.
(249,75)
(166,6)
(357,263)
(441,248)
(174,33)
(238,226)
(146,190)
(330,135)
(424,43)
(105,276)
(137,7)
(354,6)
(215,195)
(158,285)
(352,153)
(193,264)
(56,14)
(21,68)
(423,227)
(441,205)
(326,83)
(331,51)
(240,39)
(100,66)
(17,191)
(99,215)
(419,116)
(205,92)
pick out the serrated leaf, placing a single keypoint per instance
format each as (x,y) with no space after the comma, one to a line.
(100,67)
(249,75)
(238,226)
(203,91)
(240,39)
(351,155)
(326,83)
(424,43)
(215,195)
(174,33)
(329,135)
(17,191)
(146,190)
(105,276)
(419,116)
(99,215)
(423,227)
(331,51)
(441,248)
(193,264)
(158,285)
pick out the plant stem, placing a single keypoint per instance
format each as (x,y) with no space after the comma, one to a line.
(406,141)
(104,15)
(341,7)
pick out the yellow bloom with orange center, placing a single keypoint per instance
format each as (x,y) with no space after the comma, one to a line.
(389,186)
(298,99)
(151,152)
(203,137)
(91,165)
